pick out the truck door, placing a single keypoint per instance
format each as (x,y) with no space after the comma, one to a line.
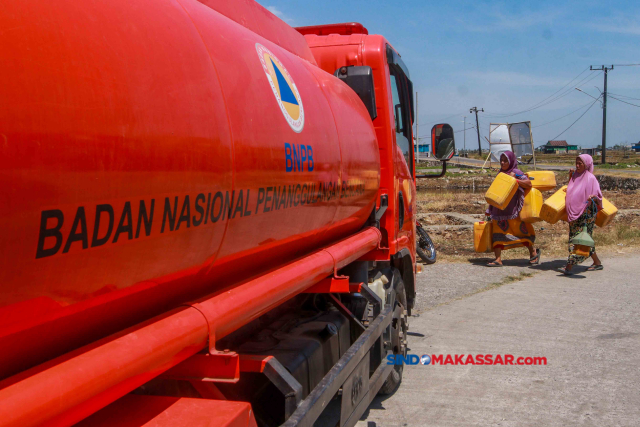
(403,157)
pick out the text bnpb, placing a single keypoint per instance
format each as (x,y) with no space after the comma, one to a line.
(296,155)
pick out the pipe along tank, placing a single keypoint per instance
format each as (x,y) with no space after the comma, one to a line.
(154,152)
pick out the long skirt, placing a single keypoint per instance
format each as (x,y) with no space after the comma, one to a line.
(512,233)
(588,218)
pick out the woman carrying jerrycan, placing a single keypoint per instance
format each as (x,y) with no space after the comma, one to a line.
(508,230)
(583,201)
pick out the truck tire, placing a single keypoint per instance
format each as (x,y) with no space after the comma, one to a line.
(425,247)
(396,296)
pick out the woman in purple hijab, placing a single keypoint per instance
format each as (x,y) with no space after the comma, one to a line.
(508,230)
(583,201)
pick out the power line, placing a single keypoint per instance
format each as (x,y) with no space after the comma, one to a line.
(559,118)
(551,98)
(548,97)
(624,96)
(442,120)
(462,130)
(592,104)
(560,96)
(626,65)
(624,101)
(568,91)
(483,129)
(457,131)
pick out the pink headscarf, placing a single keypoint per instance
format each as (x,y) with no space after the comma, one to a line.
(581,186)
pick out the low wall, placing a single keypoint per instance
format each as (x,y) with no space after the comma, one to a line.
(617,183)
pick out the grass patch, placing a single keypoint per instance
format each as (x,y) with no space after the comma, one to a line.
(455,245)
(448,174)
(450,201)
(619,165)
(613,156)
(616,234)
(509,279)
(505,281)
(618,173)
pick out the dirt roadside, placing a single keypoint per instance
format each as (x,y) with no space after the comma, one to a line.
(464,193)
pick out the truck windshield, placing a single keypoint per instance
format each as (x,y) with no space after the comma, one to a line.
(399,90)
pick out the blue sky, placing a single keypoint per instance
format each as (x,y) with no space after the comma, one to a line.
(505,57)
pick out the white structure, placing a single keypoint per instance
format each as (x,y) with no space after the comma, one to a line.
(499,141)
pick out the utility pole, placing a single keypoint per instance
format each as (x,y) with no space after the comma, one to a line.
(465,133)
(475,110)
(604,111)
(417,139)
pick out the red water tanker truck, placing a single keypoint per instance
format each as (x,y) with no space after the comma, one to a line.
(208,216)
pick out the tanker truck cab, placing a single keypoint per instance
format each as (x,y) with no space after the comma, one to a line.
(237,250)
(403,114)
(376,72)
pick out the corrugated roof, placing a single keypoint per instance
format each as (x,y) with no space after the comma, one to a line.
(557,143)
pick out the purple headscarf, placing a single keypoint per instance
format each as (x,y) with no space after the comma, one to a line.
(513,163)
(581,186)
(515,205)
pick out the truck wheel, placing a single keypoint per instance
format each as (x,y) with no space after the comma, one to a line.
(425,247)
(396,297)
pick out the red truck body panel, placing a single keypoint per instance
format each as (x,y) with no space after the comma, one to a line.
(65,390)
(344,29)
(154,411)
(119,108)
(259,20)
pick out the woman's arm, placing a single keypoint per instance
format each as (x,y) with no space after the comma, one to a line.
(523,181)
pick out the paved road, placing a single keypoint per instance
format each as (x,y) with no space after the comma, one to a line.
(587,326)
(478,163)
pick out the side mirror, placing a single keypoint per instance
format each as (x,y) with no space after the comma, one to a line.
(360,79)
(443,145)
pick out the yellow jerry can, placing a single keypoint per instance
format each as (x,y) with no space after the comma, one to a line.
(553,209)
(482,236)
(581,250)
(606,214)
(530,212)
(565,216)
(502,190)
(542,180)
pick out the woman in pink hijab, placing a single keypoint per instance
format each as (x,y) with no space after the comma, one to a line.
(583,201)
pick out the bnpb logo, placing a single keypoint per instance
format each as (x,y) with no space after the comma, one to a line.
(283,87)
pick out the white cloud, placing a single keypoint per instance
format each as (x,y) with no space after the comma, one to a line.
(508,78)
(618,24)
(498,19)
(280,14)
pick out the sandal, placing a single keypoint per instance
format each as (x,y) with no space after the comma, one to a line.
(564,271)
(535,260)
(494,264)
(595,267)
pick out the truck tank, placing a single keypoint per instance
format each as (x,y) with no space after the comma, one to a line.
(154,152)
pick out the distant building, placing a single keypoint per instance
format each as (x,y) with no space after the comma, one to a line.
(422,148)
(591,151)
(559,147)
(636,147)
